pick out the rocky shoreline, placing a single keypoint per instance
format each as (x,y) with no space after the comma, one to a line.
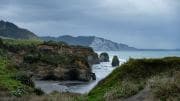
(54,60)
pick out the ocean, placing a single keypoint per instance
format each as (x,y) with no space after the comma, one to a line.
(125,55)
(101,70)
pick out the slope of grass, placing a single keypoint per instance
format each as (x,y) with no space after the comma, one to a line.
(5,76)
(166,87)
(131,77)
(9,82)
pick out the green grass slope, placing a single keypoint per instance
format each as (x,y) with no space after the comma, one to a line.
(7,81)
(13,82)
(160,75)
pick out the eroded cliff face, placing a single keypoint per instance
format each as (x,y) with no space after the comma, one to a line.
(55,61)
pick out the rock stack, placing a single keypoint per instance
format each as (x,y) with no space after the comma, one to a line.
(115,61)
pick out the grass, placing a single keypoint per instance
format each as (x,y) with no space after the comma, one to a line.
(22,41)
(8,83)
(5,76)
(160,75)
(166,87)
(49,97)
(132,77)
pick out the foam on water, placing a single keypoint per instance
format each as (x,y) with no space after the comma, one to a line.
(101,70)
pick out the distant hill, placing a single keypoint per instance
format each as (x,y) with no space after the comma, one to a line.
(10,30)
(98,44)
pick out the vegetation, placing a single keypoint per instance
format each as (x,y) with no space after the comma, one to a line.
(22,42)
(166,87)
(12,82)
(161,76)
(54,43)
(133,76)
(7,82)
(24,78)
(1,42)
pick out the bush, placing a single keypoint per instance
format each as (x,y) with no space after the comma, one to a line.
(19,92)
(38,91)
(31,58)
(54,43)
(1,42)
(24,79)
(1,53)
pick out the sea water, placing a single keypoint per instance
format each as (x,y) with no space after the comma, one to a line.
(101,70)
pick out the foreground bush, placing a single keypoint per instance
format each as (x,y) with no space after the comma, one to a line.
(24,78)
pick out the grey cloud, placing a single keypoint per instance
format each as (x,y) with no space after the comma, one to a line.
(132,22)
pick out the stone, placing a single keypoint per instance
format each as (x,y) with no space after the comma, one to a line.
(104,57)
(93,75)
(115,61)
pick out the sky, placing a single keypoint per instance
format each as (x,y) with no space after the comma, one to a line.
(138,23)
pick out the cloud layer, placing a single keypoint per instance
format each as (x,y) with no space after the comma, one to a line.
(139,23)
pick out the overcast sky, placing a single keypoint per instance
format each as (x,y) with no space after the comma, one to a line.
(138,23)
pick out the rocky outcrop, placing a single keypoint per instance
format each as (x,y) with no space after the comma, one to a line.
(56,61)
(104,57)
(93,75)
(115,61)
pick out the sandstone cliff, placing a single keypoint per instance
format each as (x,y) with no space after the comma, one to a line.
(54,61)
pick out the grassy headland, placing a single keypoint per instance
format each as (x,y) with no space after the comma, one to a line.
(159,76)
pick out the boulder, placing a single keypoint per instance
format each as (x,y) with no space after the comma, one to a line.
(115,61)
(93,59)
(93,75)
(104,57)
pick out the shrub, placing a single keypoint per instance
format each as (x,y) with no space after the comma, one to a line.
(24,79)
(1,53)
(38,91)
(54,43)
(31,58)
(1,42)
(19,92)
